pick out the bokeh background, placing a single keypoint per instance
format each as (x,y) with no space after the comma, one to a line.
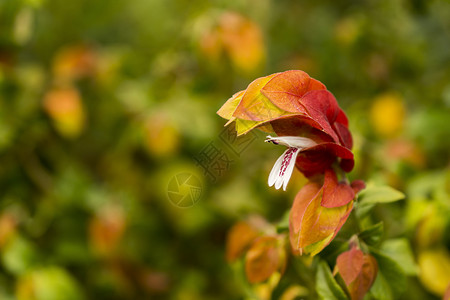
(103,104)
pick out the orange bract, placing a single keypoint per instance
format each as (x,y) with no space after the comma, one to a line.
(311,226)
(358,270)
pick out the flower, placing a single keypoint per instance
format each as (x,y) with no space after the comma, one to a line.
(292,104)
(282,170)
(307,119)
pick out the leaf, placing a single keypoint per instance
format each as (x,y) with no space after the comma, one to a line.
(65,108)
(283,225)
(400,251)
(380,194)
(435,269)
(372,235)
(294,292)
(447,293)
(387,114)
(48,283)
(326,285)
(19,255)
(335,193)
(362,210)
(380,289)
(243,41)
(393,280)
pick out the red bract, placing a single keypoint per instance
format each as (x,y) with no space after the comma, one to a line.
(335,193)
(358,270)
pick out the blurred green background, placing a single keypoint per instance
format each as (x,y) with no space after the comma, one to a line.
(103,104)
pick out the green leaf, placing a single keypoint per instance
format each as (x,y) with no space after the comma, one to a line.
(380,289)
(372,235)
(363,209)
(19,255)
(283,225)
(52,283)
(391,280)
(380,194)
(400,251)
(326,285)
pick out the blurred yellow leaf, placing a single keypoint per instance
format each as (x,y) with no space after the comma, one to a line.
(434,267)
(52,283)
(74,62)
(236,36)
(430,229)
(294,292)
(106,229)
(243,41)
(7,228)
(240,236)
(347,31)
(65,108)
(161,135)
(387,114)
(265,256)
(404,150)
(23,25)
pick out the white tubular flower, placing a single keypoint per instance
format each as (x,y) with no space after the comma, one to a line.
(282,170)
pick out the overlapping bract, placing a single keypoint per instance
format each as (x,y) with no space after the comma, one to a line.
(358,270)
(292,103)
(311,225)
(265,251)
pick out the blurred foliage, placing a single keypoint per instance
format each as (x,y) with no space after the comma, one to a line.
(103,102)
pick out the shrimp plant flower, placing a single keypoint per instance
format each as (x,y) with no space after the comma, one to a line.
(306,119)
(282,170)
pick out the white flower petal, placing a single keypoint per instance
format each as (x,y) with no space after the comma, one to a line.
(279,182)
(284,168)
(292,141)
(290,168)
(276,169)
